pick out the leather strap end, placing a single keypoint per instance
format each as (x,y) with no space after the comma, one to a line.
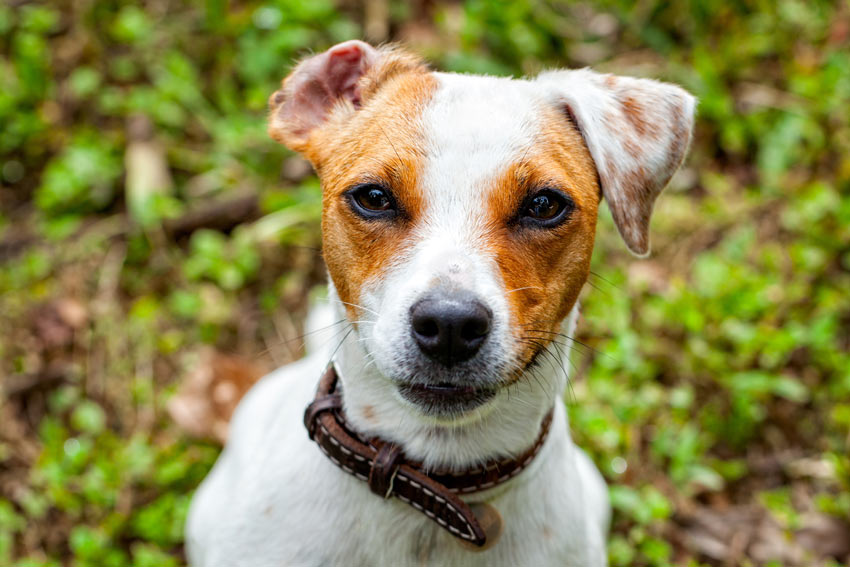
(479,536)
(490,522)
(318,406)
(384,469)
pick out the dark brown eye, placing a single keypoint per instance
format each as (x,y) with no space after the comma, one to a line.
(372,201)
(546,209)
(543,207)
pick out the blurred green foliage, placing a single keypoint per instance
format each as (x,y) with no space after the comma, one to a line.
(731,342)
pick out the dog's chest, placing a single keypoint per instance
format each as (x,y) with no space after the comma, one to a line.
(274,499)
(297,508)
(328,518)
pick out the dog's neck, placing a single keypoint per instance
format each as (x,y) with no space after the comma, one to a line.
(506,427)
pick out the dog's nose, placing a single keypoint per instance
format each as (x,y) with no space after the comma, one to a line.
(450,327)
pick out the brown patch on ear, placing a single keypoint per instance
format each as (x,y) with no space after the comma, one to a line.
(314,87)
(635,114)
(637,131)
(332,84)
(632,147)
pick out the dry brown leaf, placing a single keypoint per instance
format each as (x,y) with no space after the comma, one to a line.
(207,397)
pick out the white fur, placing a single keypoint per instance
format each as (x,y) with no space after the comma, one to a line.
(274,499)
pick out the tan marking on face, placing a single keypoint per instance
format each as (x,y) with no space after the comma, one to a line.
(379,143)
(543,269)
(369,414)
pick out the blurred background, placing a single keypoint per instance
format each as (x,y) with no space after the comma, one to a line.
(158,251)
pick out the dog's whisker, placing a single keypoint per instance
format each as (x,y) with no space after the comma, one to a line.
(282,342)
(572,339)
(597,288)
(395,151)
(353,305)
(606,280)
(522,288)
(333,354)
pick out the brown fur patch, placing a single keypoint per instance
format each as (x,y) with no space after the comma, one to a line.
(380,142)
(369,414)
(632,147)
(544,269)
(394,62)
(636,115)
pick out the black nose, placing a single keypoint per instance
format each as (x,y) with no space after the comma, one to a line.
(450,327)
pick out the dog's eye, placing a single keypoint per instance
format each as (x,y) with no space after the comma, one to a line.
(372,201)
(543,207)
(546,208)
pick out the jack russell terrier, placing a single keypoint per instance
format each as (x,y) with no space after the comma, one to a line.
(459,214)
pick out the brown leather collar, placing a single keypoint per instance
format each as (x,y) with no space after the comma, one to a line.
(384,467)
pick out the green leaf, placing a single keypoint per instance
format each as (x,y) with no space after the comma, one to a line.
(88,417)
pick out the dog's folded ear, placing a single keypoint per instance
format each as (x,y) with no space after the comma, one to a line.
(309,94)
(638,132)
(333,83)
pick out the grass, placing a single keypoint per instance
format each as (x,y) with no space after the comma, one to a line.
(714,392)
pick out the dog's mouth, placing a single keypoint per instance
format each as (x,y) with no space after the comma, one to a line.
(445,399)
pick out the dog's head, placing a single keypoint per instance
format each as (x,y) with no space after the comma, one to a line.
(460,211)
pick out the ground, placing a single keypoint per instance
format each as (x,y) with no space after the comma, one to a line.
(151,232)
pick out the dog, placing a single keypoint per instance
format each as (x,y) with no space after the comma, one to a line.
(459,216)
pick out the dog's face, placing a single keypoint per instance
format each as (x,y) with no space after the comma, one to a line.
(460,211)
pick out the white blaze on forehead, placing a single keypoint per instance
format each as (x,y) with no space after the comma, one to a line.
(475,127)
